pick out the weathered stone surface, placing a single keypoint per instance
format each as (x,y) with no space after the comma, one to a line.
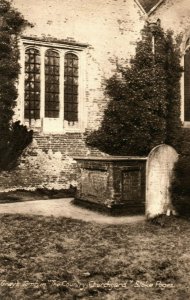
(159,173)
(94,184)
(115,183)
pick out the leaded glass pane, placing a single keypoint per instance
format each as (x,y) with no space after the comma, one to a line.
(32,84)
(71,87)
(52,84)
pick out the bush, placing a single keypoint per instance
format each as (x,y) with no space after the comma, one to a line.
(144,99)
(19,139)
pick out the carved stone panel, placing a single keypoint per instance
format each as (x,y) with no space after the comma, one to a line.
(131,185)
(94,184)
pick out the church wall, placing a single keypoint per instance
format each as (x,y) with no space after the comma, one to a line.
(110,30)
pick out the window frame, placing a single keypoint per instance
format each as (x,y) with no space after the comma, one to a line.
(57,125)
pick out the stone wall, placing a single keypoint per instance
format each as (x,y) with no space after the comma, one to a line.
(48,163)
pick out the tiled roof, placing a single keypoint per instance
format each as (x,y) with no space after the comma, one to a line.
(148,4)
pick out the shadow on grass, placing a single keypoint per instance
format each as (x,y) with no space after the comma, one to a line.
(38,194)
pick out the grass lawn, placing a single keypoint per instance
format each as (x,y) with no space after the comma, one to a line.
(59,258)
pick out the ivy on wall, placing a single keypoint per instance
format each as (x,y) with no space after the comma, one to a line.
(11,25)
(144,99)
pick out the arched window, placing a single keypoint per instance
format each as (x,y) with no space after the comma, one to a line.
(71,87)
(52,84)
(32,84)
(187,85)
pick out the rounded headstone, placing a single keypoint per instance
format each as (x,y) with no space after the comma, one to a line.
(159,173)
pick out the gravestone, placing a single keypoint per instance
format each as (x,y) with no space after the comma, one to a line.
(159,172)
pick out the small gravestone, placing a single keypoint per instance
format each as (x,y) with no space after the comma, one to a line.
(159,172)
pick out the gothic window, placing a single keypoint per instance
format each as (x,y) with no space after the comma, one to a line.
(71,87)
(187,85)
(32,84)
(52,84)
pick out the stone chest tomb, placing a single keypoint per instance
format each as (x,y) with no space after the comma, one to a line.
(116,184)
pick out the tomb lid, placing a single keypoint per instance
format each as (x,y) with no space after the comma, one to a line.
(110,158)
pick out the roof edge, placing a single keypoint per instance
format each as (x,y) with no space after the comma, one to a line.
(155,7)
(140,6)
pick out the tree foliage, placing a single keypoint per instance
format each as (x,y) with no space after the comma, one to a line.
(11,25)
(144,106)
